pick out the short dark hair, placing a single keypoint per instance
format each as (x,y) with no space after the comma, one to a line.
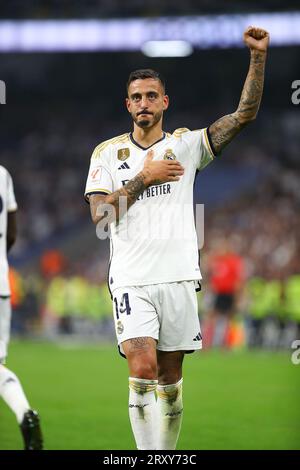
(141,74)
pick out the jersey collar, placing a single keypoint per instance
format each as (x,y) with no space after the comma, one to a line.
(145,148)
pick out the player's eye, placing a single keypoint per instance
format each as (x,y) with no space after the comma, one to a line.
(135,98)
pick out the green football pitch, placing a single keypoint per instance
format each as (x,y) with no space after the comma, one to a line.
(232,400)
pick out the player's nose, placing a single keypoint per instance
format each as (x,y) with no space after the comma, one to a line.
(144,103)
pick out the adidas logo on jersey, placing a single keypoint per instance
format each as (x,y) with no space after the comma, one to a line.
(198,337)
(125,166)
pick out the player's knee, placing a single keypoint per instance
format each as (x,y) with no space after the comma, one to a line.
(144,369)
(169,376)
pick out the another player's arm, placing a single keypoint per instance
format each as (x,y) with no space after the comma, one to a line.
(225,129)
(11,234)
(154,172)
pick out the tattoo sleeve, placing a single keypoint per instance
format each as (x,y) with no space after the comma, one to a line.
(225,129)
(131,191)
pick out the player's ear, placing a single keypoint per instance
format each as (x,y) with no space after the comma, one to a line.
(127,102)
(166,102)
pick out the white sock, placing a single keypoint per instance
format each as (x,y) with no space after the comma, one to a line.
(142,412)
(170,408)
(12,393)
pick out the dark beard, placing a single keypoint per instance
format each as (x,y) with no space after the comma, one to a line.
(143,124)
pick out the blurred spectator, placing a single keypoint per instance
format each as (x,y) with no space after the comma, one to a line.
(52,263)
(225,273)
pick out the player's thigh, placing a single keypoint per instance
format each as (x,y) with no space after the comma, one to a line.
(5,317)
(141,356)
(179,320)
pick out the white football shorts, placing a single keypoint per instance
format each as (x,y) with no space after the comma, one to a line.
(166,312)
(5,316)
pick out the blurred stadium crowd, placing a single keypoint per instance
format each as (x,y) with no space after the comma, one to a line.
(49,165)
(60,106)
(251,251)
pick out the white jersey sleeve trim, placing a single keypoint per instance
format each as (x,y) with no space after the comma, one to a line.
(95,191)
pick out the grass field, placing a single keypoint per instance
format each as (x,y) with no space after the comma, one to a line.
(237,400)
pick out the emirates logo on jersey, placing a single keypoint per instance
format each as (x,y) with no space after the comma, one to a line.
(169,155)
(123,154)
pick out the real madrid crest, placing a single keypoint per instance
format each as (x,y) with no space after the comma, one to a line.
(123,154)
(169,155)
(120,327)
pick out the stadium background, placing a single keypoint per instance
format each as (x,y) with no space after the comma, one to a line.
(242,391)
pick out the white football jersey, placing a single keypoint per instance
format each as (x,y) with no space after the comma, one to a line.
(7,204)
(155,241)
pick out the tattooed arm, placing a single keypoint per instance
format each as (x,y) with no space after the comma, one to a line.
(154,172)
(131,191)
(225,129)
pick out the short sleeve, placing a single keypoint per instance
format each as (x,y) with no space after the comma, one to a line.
(199,146)
(11,200)
(99,178)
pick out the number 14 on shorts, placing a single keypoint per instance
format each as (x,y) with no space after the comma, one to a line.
(123,307)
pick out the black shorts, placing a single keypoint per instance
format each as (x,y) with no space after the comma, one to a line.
(224,303)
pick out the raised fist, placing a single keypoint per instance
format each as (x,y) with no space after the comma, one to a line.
(256,38)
